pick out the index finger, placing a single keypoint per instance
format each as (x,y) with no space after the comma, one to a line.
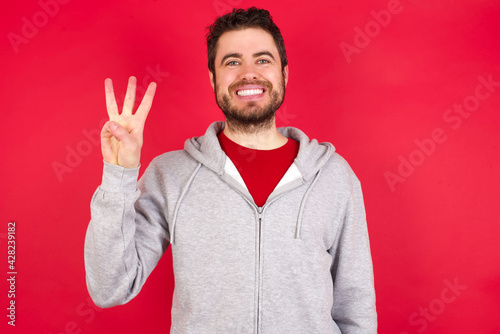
(111,105)
(147,101)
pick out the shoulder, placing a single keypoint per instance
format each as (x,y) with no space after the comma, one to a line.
(173,163)
(337,162)
(171,158)
(339,171)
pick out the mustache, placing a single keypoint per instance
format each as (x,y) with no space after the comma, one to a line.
(242,83)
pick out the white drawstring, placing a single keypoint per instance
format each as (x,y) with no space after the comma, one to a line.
(302,204)
(184,191)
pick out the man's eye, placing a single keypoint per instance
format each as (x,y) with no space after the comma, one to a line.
(232,63)
(263,61)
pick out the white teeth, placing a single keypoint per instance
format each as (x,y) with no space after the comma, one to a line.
(247,92)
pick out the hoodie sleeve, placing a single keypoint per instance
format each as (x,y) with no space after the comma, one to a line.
(354,308)
(126,236)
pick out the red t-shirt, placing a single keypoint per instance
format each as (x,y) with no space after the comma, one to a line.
(261,170)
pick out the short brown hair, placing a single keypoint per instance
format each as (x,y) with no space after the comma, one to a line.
(241,19)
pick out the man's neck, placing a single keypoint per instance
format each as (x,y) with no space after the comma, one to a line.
(262,139)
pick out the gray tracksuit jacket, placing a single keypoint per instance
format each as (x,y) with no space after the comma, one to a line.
(300,264)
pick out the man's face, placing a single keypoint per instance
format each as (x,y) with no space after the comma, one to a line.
(249,83)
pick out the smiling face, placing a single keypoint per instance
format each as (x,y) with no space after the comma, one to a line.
(249,82)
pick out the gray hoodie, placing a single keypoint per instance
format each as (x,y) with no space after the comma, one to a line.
(300,264)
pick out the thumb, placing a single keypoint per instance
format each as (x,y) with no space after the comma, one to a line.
(120,133)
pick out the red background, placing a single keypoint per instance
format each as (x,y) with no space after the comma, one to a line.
(438,227)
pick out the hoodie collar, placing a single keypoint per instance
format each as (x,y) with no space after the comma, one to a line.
(311,157)
(206,149)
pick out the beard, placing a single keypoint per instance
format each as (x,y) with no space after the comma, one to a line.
(251,118)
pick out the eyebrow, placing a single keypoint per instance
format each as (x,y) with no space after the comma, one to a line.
(263,53)
(239,55)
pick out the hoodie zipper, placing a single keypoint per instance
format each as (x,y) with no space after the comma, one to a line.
(260,210)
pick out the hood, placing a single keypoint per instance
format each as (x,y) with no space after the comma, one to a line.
(311,157)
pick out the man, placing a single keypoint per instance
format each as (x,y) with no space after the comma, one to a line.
(267,227)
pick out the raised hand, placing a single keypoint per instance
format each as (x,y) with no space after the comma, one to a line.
(121,136)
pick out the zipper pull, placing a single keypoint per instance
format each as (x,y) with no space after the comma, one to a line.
(260,209)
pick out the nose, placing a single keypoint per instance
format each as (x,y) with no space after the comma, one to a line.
(248,72)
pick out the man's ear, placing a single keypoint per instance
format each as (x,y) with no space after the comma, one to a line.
(285,74)
(212,81)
